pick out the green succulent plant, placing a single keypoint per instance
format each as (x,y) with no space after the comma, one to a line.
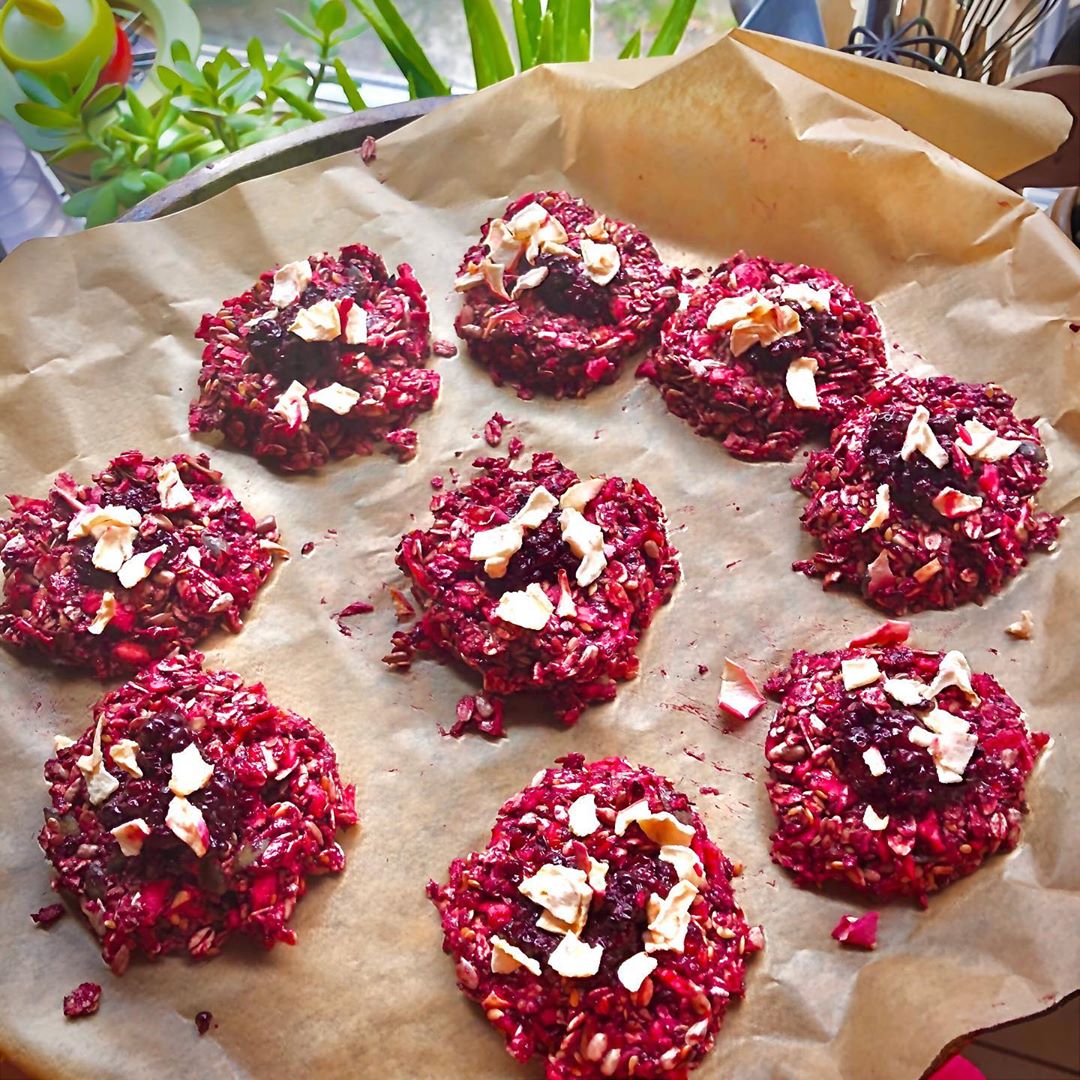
(130,149)
(208,110)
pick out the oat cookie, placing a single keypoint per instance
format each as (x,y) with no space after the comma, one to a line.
(192,808)
(926,498)
(555,295)
(320,359)
(765,354)
(893,770)
(598,929)
(537,579)
(111,575)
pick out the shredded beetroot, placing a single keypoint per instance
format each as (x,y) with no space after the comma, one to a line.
(359,607)
(823,782)
(858,931)
(271,809)
(577,658)
(595,1026)
(442,347)
(48,915)
(479,713)
(918,558)
(742,400)
(252,357)
(890,632)
(84,1000)
(209,560)
(404,443)
(493,429)
(568,334)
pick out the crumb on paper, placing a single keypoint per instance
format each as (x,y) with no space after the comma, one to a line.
(478,711)
(358,607)
(890,632)
(1022,628)
(739,696)
(858,931)
(82,1001)
(403,442)
(46,916)
(493,429)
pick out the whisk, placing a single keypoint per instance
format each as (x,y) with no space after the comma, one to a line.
(949,36)
(971,29)
(899,31)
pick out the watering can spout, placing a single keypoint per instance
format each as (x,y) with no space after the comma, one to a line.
(40,11)
(56,37)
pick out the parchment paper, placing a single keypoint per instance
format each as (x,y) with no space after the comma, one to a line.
(722,149)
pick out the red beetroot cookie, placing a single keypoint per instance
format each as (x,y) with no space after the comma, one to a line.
(318,360)
(598,928)
(109,576)
(894,770)
(557,295)
(926,497)
(537,580)
(193,808)
(766,353)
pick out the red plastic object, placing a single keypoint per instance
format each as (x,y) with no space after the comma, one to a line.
(958,1068)
(118,69)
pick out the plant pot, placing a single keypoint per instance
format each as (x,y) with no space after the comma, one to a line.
(309,143)
(74,172)
(1066,213)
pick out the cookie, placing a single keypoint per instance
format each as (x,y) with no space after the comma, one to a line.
(556,296)
(319,360)
(598,928)
(892,770)
(192,809)
(765,354)
(537,580)
(926,498)
(153,554)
